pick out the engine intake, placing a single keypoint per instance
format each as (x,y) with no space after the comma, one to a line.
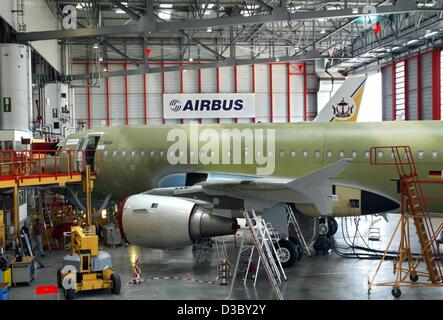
(169,222)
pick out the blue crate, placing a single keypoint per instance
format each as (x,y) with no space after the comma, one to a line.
(4,291)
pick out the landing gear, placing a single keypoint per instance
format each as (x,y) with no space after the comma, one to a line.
(327,227)
(287,253)
(322,245)
(396,292)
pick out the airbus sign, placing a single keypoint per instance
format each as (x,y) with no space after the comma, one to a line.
(209,105)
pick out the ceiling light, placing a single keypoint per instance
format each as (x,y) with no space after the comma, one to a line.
(277,59)
(210,6)
(79,6)
(412,41)
(190,59)
(431,34)
(105,69)
(355,10)
(321,19)
(165,14)
(209,29)
(323,31)
(245,13)
(120,10)
(429,4)
(297,7)
(100,59)
(166,5)
(95,46)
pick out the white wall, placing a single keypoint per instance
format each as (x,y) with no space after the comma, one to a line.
(37,17)
(260,84)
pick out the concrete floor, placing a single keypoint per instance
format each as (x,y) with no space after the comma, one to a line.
(315,277)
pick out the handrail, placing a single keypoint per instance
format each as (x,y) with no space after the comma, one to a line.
(24,164)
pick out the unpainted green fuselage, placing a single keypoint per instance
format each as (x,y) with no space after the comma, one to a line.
(133,159)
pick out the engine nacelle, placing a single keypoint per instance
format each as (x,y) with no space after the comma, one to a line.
(169,222)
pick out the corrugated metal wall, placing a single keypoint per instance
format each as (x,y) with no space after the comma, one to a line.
(284,93)
(420,85)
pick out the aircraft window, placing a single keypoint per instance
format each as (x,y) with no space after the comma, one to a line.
(154,205)
(258,153)
(354,154)
(341,154)
(270,153)
(162,153)
(421,155)
(329,154)
(246,153)
(114,153)
(434,155)
(305,154)
(124,153)
(380,154)
(317,154)
(281,153)
(142,153)
(191,153)
(105,153)
(293,153)
(228,153)
(152,153)
(133,153)
(367,154)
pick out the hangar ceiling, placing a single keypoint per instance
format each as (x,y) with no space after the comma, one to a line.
(226,32)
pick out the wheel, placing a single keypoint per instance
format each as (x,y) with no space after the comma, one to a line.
(69,294)
(328,227)
(413,277)
(396,292)
(298,246)
(334,224)
(116,283)
(322,244)
(59,278)
(286,253)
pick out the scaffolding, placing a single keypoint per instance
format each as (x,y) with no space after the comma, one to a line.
(414,207)
(28,168)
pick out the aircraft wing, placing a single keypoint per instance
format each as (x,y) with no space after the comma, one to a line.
(315,188)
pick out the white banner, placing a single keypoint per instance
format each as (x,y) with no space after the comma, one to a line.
(208,105)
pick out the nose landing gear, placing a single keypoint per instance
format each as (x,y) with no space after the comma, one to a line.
(327,228)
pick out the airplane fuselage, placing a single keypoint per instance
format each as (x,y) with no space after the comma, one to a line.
(130,160)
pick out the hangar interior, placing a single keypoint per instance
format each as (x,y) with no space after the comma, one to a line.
(347,96)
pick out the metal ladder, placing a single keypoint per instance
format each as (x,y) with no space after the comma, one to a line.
(262,243)
(47,221)
(293,221)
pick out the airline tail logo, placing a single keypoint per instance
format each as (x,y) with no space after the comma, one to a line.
(343,110)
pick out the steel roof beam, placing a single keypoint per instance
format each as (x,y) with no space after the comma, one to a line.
(279,14)
(226,63)
(126,9)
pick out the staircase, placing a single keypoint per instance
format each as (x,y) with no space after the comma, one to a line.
(414,205)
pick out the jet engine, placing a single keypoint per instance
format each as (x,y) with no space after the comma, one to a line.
(168,222)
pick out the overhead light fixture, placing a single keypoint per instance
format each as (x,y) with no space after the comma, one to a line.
(354,10)
(120,10)
(413,41)
(321,19)
(95,46)
(277,59)
(165,14)
(210,6)
(166,5)
(323,31)
(297,7)
(209,29)
(79,6)
(429,4)
(245,13)
(105,69)
(190,59)
(431,34)
(100,59)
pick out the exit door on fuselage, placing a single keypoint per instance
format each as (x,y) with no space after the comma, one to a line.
(89,145)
